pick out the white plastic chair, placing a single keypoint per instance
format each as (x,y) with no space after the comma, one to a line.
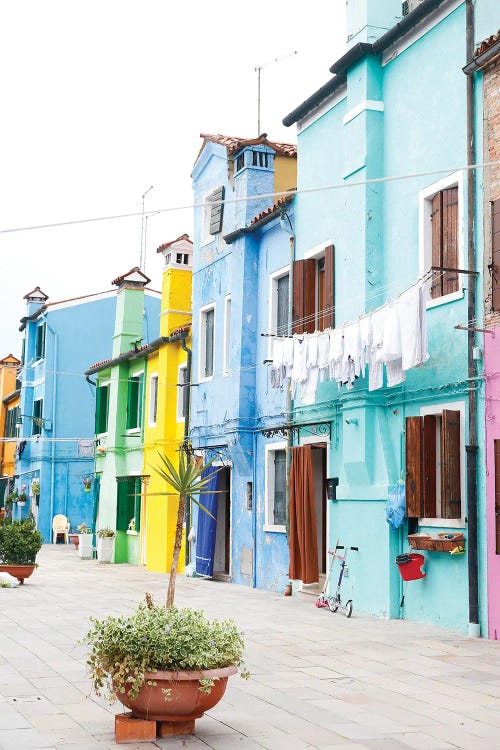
(60,526)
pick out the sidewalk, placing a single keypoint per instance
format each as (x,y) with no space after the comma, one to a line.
(318,679)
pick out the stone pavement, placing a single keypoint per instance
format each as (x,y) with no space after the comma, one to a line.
(318,679)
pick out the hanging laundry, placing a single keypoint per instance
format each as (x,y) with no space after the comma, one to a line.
(323,353)
(277,371)
(391,346)
(375,365)
(411,314)
(299,370)
(288,356)
(351,358)
(365,332)
(395,372)
(335,353)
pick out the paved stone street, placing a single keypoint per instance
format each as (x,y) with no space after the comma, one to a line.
(318,679)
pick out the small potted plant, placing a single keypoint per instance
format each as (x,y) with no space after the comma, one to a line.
(19,544)
(22,499)
(12,499)
(85,546)
(105,539)
(74,538)
(35,487)
(87,483)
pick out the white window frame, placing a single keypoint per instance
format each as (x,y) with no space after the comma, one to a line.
(273,301)
(202,378)
(271,448)
(437,409)
(180,393)
(425,197)
(152,417)
(227,336)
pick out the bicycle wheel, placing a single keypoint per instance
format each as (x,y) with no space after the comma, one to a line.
(348,608)
(333,603)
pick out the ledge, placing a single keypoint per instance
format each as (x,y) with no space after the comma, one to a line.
(444,542)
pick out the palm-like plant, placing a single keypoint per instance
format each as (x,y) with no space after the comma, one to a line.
(185,481)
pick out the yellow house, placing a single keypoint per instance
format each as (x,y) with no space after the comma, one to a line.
(9,417)
(167,401)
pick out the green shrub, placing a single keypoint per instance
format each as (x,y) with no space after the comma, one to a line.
(19,542)
(155,638)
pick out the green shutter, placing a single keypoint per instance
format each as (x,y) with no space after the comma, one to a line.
(125,506)
(140,400)
(137,504)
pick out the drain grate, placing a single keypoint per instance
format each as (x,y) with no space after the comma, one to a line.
(24,698)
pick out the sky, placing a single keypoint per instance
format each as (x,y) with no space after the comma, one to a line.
(102,99)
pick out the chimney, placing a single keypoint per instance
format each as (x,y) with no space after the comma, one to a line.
(367,20)
(129,310)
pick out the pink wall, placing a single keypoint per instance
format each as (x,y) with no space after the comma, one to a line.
(492,413)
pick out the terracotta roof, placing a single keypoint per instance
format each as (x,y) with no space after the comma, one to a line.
(134,270)
(36,292)
(166,245)
(487,43)
(233,144)
(10,359)
(272,209)
(181,329)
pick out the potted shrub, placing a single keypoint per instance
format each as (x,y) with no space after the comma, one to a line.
(163,663)
(22,499)
(105,539)
(19,544)
(35,487)
(85,546)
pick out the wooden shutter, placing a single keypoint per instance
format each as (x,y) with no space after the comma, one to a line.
(137,503)
(414,458)
(451,502)
(304,298)
(437,255)
(329,289)
(217,211)
(497,496)
(495,254)
(125,505)
(429,465)
(450,238)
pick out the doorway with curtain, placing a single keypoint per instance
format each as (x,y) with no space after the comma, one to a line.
(213,542)
(222,552)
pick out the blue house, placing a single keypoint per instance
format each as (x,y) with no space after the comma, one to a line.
(389,134)
(56,434)
(240,291)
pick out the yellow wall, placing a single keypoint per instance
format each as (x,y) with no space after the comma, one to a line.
(160,512)
(8,370)
(285,173)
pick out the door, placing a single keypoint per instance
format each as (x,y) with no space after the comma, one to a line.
(319,469)
(222,555)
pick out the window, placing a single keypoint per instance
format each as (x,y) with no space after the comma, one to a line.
(227,334)
(313,292)
(261,159)
(134,402)
(101,409)
(279,301)
(495,254)
(441,240)
(37,419)
(128,505)
(13,417)
(207,334)
(213,211)
(153,399)
(182,393)
(275,490)
(40,342)
(434,465)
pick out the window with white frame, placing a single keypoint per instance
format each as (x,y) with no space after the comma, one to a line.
(153,399)
(207,341)
(435,475)
(275,487)
(441,242)
(279,301)
(227,334)
(182,392)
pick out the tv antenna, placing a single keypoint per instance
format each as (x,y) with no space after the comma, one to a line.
(148,216)
(142,253)
(258,68)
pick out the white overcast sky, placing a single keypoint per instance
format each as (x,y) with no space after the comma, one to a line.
(101,99)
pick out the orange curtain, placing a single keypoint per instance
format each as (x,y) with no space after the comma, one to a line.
(303,538)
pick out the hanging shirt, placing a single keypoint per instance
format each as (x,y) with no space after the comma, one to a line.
(351,358)
(391,347)
(375,367)
(299,370)
(323,351)
(365,333)
(335,353)
(395,372)
(288,356)
(411,313)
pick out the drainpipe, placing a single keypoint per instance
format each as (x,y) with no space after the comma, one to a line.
(289,400)
(54,402)
(189,357)
(471,448)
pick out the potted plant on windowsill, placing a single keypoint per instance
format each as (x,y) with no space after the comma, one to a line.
(85,546)
(19,544)
(105,540)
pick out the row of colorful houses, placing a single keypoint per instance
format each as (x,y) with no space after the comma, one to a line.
(386,213)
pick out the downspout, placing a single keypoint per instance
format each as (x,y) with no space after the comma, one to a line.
(471,448)
(254,510)
(54,402)
(189,357)
(289,399)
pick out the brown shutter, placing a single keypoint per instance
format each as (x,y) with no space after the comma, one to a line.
(414,456)
(495,253)
(450,238)
(429,465)
(328,319)
(497,496)
(304,274)
(451,505)
(437,254)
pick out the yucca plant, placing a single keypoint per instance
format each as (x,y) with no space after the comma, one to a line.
(185,481)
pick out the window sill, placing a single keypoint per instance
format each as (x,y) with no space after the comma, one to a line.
(132,533)
(431,303)
(274,529)
(205,380)
(133,431)
(442,523)
(436,542)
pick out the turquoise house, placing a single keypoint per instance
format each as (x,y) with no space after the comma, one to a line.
(388,137)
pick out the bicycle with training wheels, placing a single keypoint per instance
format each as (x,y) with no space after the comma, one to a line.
(335,601)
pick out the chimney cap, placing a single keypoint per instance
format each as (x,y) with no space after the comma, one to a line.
(133,278)
(36,295)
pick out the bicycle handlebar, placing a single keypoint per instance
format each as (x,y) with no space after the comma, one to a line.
(333,551)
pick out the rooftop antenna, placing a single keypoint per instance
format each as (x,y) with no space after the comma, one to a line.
(258,68)
(142,253)
(148,216)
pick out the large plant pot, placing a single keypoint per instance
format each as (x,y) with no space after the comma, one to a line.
(74,539)
(18,571)
(105,549)
(85,547)
(187,702)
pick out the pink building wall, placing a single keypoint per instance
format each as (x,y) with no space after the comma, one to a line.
(492,433)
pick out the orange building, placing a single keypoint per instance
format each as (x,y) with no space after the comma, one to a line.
(9,416)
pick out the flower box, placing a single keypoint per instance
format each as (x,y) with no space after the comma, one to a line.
(443,542)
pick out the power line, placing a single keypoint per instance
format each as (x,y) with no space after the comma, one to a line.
(247,199)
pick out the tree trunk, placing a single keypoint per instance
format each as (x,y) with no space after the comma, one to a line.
(177,549)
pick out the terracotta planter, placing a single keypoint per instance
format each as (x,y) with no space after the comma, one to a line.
(187,701)
(74,539)
(18,571)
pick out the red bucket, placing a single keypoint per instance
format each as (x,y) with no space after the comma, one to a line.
(412,569)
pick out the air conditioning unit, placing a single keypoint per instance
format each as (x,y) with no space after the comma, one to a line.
(409,5)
